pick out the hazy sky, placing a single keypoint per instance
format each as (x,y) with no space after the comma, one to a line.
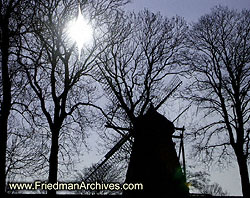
(191,10)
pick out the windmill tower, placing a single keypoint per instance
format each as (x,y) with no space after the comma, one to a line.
(153,161)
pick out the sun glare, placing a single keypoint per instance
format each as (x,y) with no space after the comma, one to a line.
(80,31)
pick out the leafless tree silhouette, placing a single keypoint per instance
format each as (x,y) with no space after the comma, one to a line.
(200,182)
(15,17)
(58,77)
(220,68)
(145,50)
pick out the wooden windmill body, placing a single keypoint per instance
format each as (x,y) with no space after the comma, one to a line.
(154,162)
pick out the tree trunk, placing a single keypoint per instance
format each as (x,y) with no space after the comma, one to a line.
(3,147)
(5,105)
(242,163)
(53,161)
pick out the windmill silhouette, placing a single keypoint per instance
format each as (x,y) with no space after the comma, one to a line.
(152,114)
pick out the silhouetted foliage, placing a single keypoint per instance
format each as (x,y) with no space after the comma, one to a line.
(199,182)
(15,15)
(58,77)
(145,50)
(220,71)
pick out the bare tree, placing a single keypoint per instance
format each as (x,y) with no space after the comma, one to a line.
(14,17)
(215,190)
(58,78)
(145,51)
(220,67)
(199,181)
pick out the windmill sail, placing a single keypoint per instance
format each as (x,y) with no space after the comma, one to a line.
(103,165)
(169,90)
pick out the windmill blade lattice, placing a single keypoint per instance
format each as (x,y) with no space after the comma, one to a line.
(103,165)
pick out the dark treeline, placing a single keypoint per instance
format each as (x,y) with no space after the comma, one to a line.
(52,98)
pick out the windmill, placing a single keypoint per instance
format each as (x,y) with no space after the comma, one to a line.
(111,156)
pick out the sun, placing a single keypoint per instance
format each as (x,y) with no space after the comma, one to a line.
(80,31)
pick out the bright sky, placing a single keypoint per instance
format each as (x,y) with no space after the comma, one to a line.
(191,10)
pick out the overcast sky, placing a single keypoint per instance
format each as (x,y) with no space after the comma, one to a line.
(191,10)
